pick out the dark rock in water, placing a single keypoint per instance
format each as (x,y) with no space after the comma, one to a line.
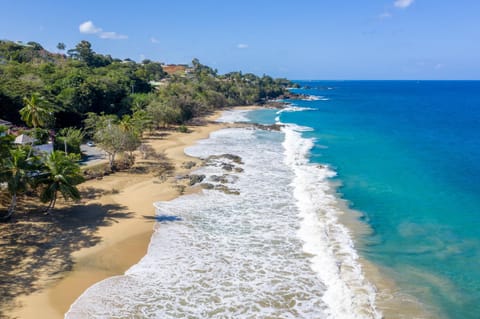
(234,158)
(228,167)
(215,178)
(265,127)
(194,179)
(227,190)
(238,169)
(207,186)
(221,188)
(271,127)
(219,179)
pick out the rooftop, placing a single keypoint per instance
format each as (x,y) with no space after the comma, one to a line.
(6,123)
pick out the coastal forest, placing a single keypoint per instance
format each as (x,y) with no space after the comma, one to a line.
(67,97)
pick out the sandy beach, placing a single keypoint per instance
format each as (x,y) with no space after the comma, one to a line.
(120,209)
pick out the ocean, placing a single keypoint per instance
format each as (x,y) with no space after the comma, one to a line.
(365,204)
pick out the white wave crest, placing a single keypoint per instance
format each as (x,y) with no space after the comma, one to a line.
(315,98)
(294,108)
(348,294)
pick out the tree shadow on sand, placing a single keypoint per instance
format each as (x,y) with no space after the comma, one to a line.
(35,247)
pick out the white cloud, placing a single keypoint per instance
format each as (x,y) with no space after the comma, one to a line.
(403,3)
(89,28)
(154,40)
(242,46)
(112,35)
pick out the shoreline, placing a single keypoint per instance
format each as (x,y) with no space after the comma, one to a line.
(390,299)
(124,240)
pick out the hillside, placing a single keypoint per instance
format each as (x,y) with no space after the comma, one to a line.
(83,81)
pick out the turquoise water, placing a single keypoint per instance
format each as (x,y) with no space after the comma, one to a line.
(407,155)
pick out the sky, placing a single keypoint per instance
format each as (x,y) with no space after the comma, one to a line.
(302,39)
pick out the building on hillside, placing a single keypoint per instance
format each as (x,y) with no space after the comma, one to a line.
(23,139)
(175,68)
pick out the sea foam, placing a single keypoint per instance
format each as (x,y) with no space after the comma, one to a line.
(315,98)
(263,242)
(348,294)
(232,116)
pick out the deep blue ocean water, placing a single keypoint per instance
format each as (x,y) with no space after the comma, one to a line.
(407,155)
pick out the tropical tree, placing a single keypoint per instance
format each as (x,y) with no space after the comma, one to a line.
(126,124)
(71,138)
(142,120)
(114,139)
(84,52)
(61,46)
(136,123)
(163,114)
(5,142)
(35,113)
(61,174)
(110,139)
(116,136)
(15,172)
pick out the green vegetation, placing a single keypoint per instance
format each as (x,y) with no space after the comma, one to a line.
(70,86)
(15,174)
(69,139)
(44,174)
(115,135)
(60,174)
(34,113)
(111,101)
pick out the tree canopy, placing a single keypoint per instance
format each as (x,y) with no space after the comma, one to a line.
(85,81)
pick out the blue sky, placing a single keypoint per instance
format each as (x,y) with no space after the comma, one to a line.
(303,39)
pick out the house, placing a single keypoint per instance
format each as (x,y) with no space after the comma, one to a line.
(27,140)
(175,68)
(24,140)
(43,148)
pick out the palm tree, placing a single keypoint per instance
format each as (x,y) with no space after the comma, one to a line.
(62,174)
(35,113)
(14,172)
(126,123)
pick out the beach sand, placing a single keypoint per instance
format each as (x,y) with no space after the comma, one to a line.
(117,218)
